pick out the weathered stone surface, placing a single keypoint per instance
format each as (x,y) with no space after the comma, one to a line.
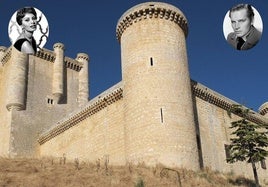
(156,114)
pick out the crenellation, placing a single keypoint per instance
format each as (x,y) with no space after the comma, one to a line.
(46,55)
(180,123)
(162,11)
(50,57)
(59,45)
(82,57)
(263,109)
(219,100)
(2,52)
(6,56)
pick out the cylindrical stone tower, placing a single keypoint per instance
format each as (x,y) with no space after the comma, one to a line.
(263,110)
(83,92)
(17,81)
(159,119)
(57,85)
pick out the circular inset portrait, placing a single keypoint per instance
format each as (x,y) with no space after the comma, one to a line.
(28,30)
(242,26)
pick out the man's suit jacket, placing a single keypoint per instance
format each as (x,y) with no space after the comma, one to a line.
(252,39)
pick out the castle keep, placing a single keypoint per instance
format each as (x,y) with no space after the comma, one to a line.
(156,114)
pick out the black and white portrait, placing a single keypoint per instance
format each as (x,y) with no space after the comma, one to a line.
(28,30)
(242,26)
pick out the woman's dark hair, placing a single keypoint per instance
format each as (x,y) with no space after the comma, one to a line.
(21,13)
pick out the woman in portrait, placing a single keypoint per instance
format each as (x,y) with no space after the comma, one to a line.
(27,20)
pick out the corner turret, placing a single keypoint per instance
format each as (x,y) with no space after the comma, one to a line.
(17,80)
(57,86)
(263,110)
(83,92)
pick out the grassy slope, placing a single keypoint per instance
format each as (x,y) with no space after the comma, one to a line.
(53,172)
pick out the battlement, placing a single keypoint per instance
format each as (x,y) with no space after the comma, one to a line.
(6,55)
(50,56)
(115,93)
(263,110)
(46,55)
(223,102)
(148,11)
(97,104)
(82,57)
(59,45)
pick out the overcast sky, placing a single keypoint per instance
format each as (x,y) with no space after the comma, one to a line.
(89,26)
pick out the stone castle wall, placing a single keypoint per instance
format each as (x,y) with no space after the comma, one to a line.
(213,122)
(95,132)
(5,116)
(21,128)
(156,114)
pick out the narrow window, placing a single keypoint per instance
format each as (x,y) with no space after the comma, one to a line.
(198,142)
(263,164)
(227,151)
(151,61)
(161,114)
(49,101)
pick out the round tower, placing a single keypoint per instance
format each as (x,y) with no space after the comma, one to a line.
(83,92)
(159,119)
(57,85)
(17,80)
(263,110)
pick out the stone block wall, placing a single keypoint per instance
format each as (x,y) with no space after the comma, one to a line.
(21,128)
(5,116)
(97,133)
(213,122)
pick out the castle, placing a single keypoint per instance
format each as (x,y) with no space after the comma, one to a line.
(156,114)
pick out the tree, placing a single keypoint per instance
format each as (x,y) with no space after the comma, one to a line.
(250,140)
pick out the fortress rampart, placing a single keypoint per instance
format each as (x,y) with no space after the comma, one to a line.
(156,114)
(94,106)
(29,96)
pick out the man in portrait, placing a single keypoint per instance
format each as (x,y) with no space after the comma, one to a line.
(244,35)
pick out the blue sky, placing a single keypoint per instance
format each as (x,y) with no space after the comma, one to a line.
(89,26)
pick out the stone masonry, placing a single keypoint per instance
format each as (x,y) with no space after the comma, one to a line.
(156,114)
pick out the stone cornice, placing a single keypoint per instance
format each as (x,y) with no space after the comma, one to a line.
(263,109)
(148,11)
(59,45)
(2,49)
(81,57)
(46,55)
(116,93)
(219,100)
(50,57)
(6,56)
(94,106)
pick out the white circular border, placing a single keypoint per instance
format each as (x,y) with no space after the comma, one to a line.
(14,29)
(227,27)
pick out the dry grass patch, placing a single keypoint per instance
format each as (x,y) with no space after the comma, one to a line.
(53,172)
